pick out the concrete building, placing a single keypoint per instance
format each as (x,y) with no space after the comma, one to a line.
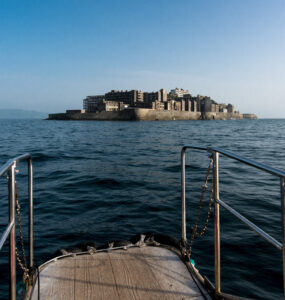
(230,108)
(177,106)
(179,93)
(170,104)
(194,106)
(177,100)
(163,95)
(128,97)
(106,105)
(182,105)
(149,98)
(187,96)
(223,108)
(158,105)
(188,105)
(199,99)
(90,103)
(205,104)
(191,103)
(213,107)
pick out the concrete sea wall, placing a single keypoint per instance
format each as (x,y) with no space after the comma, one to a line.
(165,115)
(143,114)
(222,116)
(124,115)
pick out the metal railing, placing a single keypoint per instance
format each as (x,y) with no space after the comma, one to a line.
(9,169)
(215,152)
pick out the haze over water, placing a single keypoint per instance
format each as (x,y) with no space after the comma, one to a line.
(100,181)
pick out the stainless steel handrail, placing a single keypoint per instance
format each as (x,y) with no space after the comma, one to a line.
(9,168)
(6,234)
(216,151)
(250,162)
(244,160)
(252,226)
(12,161)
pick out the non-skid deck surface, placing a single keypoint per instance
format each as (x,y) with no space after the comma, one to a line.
(136,273)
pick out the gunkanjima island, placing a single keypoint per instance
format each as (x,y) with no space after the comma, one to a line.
(136,105)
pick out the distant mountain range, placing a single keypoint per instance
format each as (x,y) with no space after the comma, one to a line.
(21,114)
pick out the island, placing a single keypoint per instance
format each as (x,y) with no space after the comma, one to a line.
(136,105)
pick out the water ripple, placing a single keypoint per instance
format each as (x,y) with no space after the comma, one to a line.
(101,181)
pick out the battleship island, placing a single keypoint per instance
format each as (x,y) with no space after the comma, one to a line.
(136,105)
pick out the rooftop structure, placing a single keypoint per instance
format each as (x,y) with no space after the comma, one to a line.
(179,92)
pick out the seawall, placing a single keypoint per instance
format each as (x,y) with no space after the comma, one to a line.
(124,115)
(144,114)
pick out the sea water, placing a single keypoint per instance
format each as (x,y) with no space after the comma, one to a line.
(101,181)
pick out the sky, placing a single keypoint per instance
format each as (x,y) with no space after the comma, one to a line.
(54,53)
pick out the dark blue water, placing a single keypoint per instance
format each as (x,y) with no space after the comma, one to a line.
(102,181)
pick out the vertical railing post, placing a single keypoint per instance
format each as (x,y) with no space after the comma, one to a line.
(183,208)
(12,254)
(31,222)
(217,226)
(282,189)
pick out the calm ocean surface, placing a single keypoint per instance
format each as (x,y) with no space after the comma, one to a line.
(100,181)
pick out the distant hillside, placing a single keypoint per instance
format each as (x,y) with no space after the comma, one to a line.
(21,114)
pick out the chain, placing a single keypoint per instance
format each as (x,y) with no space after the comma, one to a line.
(24,269)
(23,265)
(203,231)
(195,226)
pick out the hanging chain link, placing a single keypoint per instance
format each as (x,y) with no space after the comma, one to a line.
(203,231)
(22,264)
(195,232)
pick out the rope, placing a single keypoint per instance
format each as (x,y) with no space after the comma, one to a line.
(195,232)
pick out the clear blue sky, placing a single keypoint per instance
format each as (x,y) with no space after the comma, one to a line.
(54,53)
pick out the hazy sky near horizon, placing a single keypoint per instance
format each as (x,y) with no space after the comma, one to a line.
(54,53)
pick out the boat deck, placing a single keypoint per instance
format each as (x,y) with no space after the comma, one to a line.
(135,273)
